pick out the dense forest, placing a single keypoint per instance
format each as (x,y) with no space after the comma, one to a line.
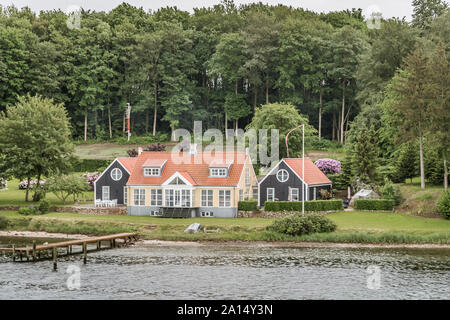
(352,79)
(216,65)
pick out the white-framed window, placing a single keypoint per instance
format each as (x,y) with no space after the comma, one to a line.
(270,194)
(178,197)
(294,194)
(247,176)
(116,174)
(241,195)
(246,195)
(207,198)
(139,197)
(206,214)
(156,197)
(105,193)
(218,172)
(125,195)
(282,175)
(224,198)
(151,172)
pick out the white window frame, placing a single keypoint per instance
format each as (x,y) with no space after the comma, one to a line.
(218,172)
(273,194)
(247,176)
(139,195)
(152,172)
(292,194)
(241,195)
(282,171)
(156,197)
(125,195)
(206,214)
(103,193)
(114,172)
(207,198)
(246,195)
(223,201)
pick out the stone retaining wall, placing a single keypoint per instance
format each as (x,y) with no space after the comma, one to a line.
(91,210)
(78,209)
(270,214)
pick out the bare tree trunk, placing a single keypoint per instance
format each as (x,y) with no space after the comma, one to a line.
(333,136)
(155,109)
(28,189)
(255,98)
(267,89)
(445,171)
(342,112)
(320,112)
(109,122)
(226,125)
(85,125)
(422,169)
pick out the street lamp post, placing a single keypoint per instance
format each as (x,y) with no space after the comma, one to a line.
(303,161)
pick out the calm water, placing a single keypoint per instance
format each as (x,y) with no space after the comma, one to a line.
(224,272)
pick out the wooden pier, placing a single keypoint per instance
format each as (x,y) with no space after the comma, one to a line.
(50,251)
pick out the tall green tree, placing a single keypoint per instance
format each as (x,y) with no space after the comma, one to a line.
(426,10)
(407,102)
(34,139)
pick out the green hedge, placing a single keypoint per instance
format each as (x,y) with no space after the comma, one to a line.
(248,205)
(297,225)
(311,206)
(374,204)
(90,165)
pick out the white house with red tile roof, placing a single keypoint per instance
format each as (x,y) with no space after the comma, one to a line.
(187,185)
(285,182)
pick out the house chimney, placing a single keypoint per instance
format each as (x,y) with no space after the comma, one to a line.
(139,150)
(193,149)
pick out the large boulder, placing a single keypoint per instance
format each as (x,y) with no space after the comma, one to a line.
(193,228)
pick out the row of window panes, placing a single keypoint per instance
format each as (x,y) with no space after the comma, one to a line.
(218,172)
(148,172)
(183,197)
(294,194)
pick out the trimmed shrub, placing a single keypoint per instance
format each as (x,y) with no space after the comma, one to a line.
(248,205)
(3,222)
(312,206)
(443,204)
(297,225)
(28,211)
(44,206)
(374,204)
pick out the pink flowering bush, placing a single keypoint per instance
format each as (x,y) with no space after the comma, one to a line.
(91,177)
(23,184)
(328,166)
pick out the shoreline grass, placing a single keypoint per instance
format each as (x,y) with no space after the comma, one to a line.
(353,227)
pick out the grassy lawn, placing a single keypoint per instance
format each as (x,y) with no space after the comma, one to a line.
(16,197)
(356,227)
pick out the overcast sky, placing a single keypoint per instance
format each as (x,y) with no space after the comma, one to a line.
(389,8)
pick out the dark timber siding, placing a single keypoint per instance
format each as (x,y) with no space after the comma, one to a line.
(281,188)
(115,187)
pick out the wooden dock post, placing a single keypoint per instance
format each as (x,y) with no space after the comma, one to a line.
(55,253)
(84,252)
(14,252)
(34,250)
(99,245)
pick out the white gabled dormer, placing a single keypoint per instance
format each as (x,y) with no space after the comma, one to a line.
(153,167)
(219,169)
